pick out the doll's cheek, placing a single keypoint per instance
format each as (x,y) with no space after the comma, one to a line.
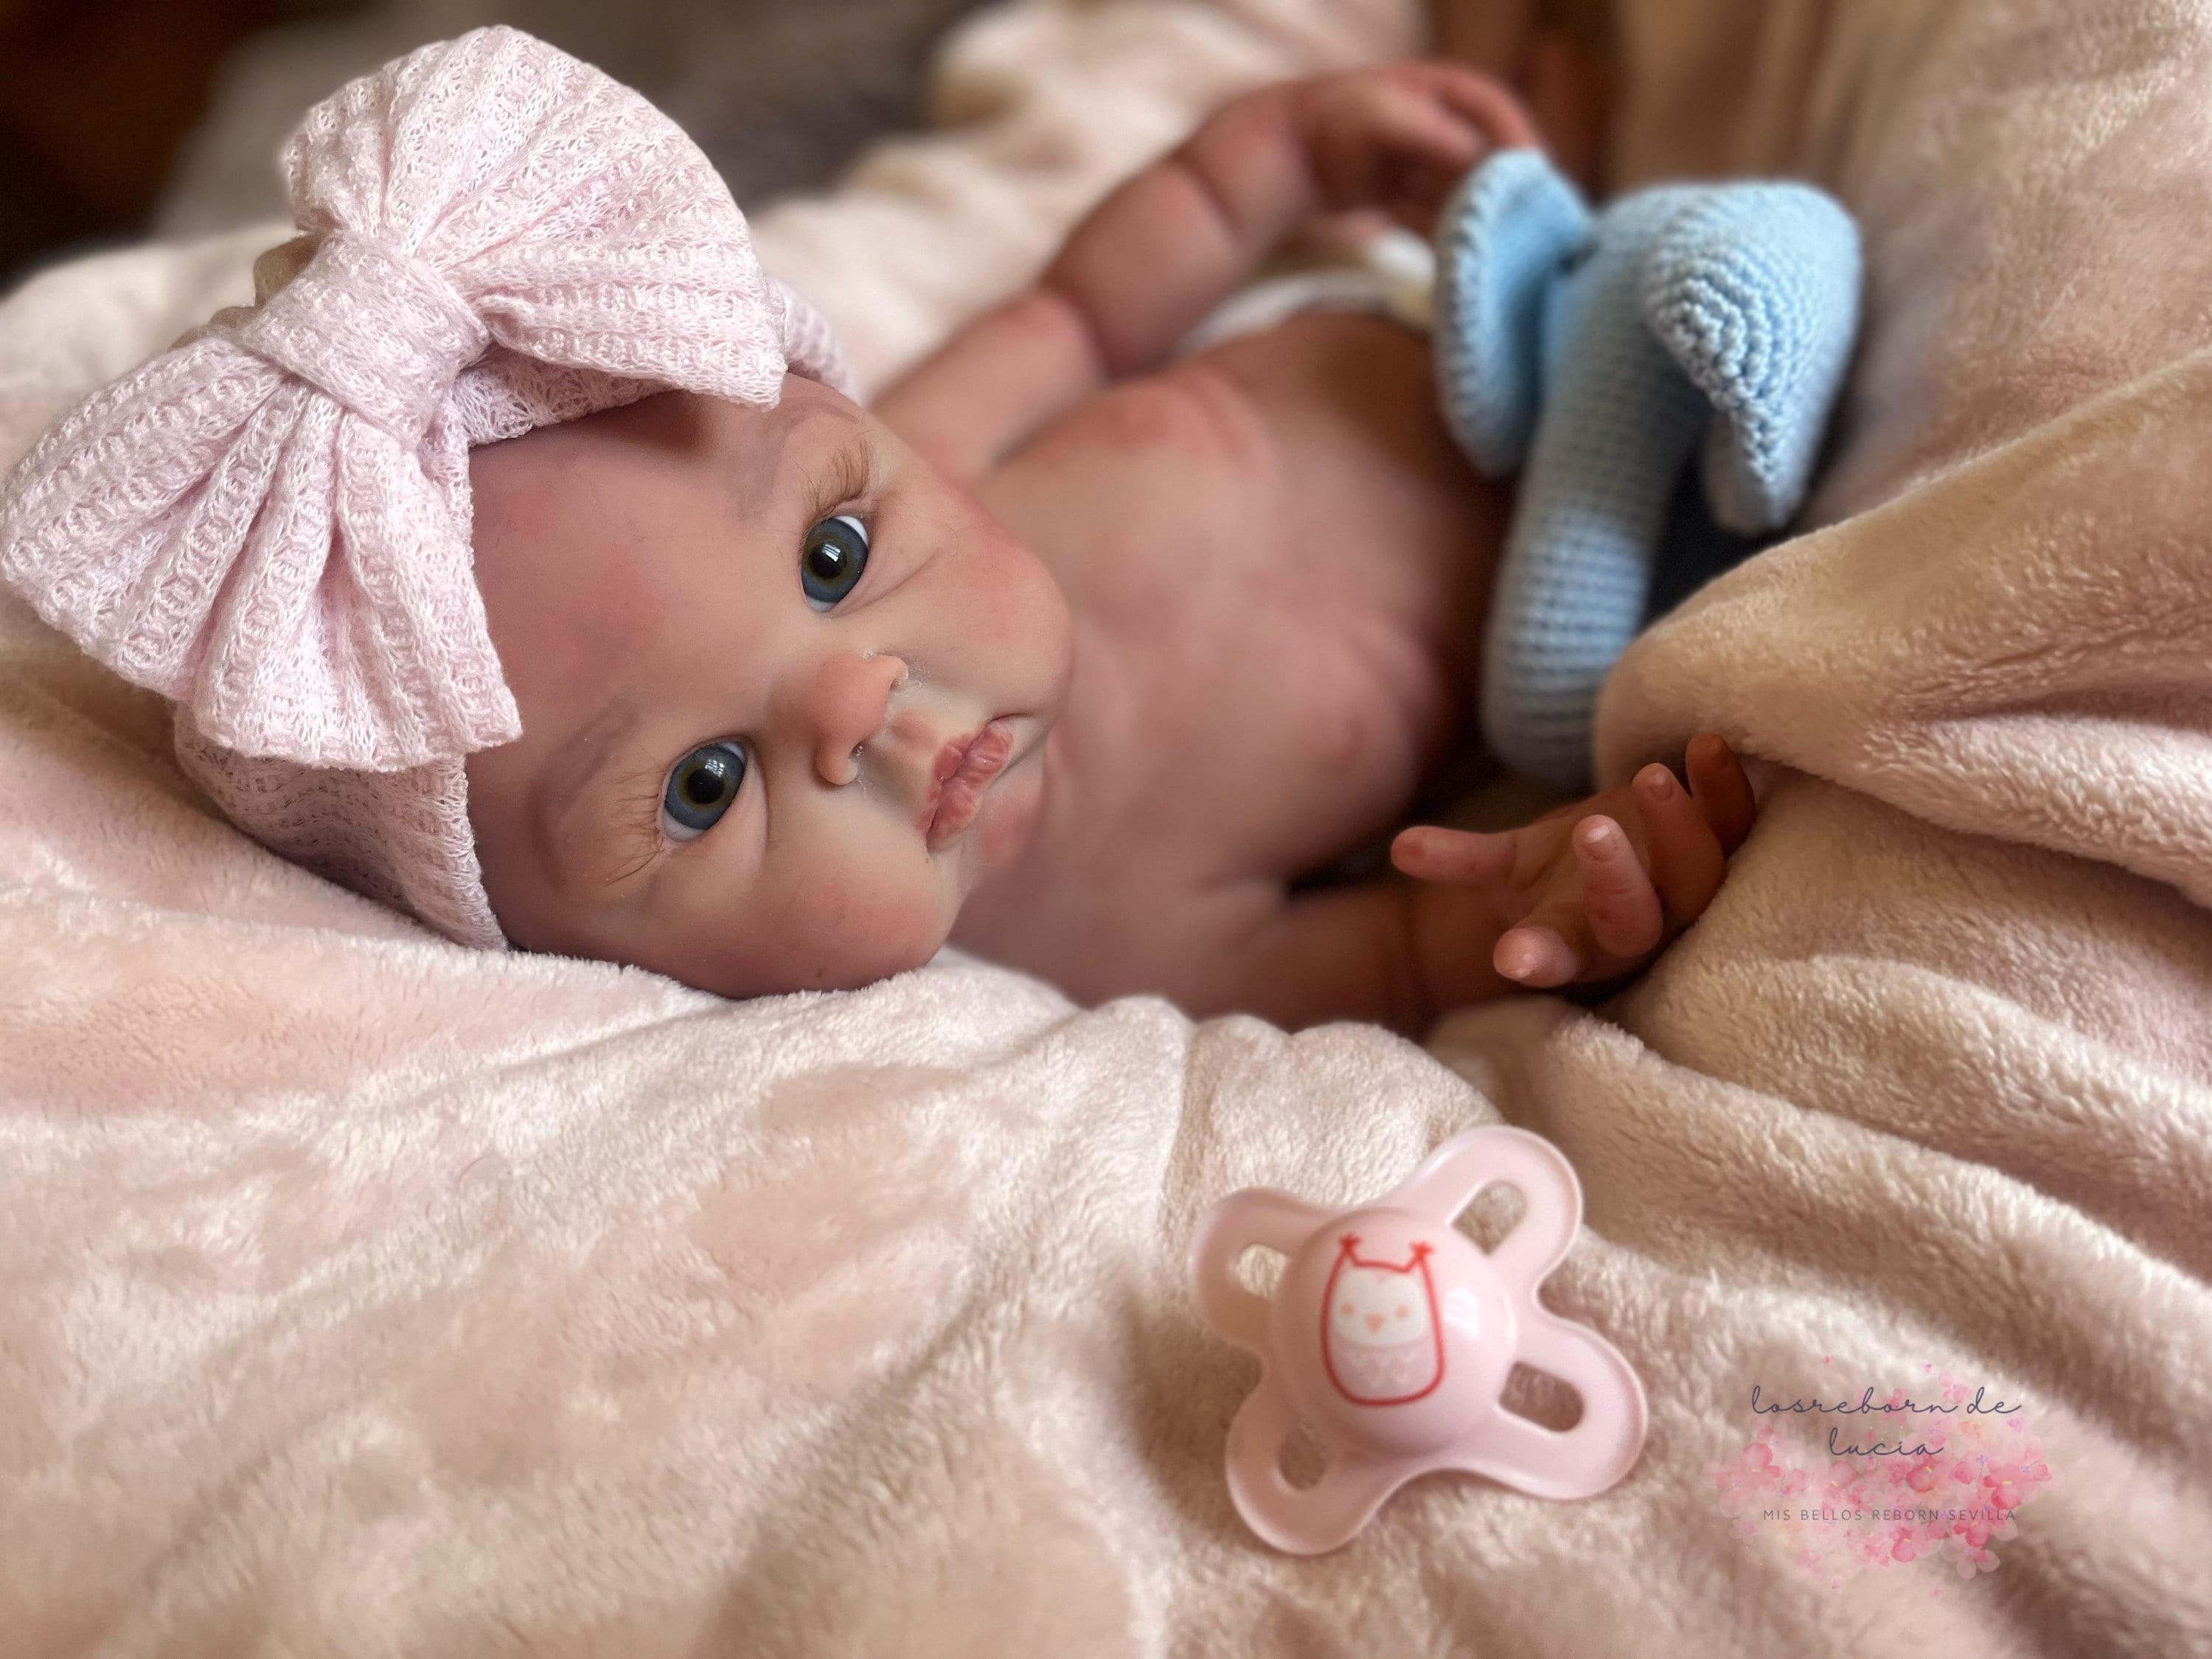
(827,929)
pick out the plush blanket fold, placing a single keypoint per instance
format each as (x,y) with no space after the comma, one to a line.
(361,1294)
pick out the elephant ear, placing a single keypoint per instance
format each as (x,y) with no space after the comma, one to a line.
(1511,229)
(1755,289)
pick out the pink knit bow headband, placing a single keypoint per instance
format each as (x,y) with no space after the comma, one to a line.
(270,524)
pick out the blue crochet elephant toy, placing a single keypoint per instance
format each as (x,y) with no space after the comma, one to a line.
(1595,352)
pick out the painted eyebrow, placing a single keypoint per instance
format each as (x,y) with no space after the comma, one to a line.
(582,757)
(848,471)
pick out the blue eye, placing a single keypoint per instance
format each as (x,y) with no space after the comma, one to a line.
(700,788)
(831,563)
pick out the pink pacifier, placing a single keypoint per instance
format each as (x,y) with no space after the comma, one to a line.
(1390,1336)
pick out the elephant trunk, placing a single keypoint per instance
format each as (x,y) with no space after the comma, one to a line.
(1621,423)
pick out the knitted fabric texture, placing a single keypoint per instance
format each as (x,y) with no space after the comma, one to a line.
(1601,349)
(271,523)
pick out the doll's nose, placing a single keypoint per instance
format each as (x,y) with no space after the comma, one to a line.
(843,702)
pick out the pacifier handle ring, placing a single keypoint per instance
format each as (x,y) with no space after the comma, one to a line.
(1300,1521)
(1255,1217)
(1460,1170)
(1574,1462)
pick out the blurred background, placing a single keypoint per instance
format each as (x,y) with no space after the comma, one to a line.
(123,118)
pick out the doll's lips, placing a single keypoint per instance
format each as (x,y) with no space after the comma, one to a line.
(964,769)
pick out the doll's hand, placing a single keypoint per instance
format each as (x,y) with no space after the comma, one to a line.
(1589,892)
(1399,135)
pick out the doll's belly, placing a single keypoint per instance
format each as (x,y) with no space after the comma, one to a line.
(1279,561)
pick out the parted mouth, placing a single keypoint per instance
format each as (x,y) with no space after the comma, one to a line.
(963,770)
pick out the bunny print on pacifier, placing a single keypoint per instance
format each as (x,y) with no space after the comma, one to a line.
(1391,1333)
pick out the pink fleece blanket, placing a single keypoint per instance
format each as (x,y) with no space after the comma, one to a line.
(362,1294)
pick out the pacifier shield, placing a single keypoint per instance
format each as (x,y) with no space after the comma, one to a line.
(1390,1336)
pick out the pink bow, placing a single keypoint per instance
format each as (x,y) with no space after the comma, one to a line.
(270,524)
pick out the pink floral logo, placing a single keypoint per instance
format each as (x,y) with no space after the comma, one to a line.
(1849,1483)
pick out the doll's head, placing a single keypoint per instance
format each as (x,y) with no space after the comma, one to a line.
(746,645)
(518,559)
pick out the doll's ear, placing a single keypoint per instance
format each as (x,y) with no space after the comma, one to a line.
(1508,233)
(1754,290)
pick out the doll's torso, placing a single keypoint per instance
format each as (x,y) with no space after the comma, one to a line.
(1277,562)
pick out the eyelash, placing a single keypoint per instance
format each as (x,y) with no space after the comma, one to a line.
(848,483)
(638,804)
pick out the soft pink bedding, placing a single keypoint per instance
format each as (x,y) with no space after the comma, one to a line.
(362,1294)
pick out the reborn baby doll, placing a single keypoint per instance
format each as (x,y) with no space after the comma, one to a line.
(1069,651)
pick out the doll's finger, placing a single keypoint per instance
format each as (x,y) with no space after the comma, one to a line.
(1535,956)
(1429,852)
(1620,906)
(1482,100)
(1413,131)
(1722,791)
(1687,864)
(1366,131)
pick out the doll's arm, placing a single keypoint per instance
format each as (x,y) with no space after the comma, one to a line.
(1544,906)
(1342,953)
(1168,246)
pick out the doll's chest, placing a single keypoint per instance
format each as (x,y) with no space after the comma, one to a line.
(1284,560)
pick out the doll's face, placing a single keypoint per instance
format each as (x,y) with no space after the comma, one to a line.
(747,645)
